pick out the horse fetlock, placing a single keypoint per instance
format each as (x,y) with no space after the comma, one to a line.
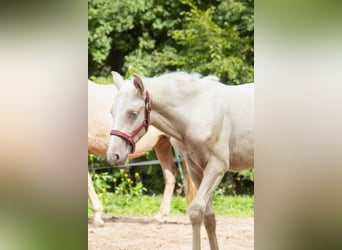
(210,222)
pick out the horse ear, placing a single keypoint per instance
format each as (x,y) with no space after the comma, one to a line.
(117,79)
(138,83)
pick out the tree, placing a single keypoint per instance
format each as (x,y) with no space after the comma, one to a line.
(151,37)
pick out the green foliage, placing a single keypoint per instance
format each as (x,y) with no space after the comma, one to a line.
(151,176)
(101,181)
(99,30)
(151,37)
(119,181)
(214,47)
(240,183)
(127,186)
(96,161)
(246,175)
(108,20)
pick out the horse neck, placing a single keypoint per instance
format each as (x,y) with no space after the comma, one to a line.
(167,113)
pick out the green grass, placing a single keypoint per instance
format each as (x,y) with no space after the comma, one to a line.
(238,206)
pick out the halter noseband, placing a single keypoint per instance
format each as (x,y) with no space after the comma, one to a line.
(145,124)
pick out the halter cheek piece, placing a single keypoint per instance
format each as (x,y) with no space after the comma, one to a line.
(145,124)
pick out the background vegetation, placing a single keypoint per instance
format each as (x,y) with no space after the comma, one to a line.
(152,37)
(123,191)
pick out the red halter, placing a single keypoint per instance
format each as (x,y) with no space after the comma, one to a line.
(145,124)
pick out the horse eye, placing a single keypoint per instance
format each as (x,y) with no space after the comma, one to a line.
(133,115)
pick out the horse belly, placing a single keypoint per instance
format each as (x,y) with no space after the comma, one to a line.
(239,162)
(241,154)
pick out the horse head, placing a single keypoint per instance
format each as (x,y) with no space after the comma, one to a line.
(131,118)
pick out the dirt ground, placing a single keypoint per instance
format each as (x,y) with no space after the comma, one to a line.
(140,233)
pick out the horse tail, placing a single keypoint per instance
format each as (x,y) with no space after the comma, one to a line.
(190,188)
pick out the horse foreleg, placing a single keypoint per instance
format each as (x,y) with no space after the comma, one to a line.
(210,224)
(164,153)
(201,208)
(95,203)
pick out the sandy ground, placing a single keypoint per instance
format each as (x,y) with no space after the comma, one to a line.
(140,233)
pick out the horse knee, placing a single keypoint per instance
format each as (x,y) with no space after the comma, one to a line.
(210,222)
(196,213)
(170,175)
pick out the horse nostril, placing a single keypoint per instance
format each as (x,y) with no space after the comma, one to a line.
(117,157)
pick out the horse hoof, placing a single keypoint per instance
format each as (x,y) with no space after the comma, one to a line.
(98,222)
(160,218)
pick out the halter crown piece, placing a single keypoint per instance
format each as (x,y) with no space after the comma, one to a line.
(145,124)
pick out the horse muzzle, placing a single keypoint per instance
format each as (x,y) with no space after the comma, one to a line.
(116,159)
(118,151)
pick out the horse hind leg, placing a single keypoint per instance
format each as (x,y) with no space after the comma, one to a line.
(196,207)
(164,153)
(95,203)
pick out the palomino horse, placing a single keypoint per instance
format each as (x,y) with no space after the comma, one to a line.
(100,100)
(212,125)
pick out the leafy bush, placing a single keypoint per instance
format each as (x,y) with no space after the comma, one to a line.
(119,181)
(101,181)
(241,183)
(127,186)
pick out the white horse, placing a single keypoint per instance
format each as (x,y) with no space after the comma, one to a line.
(212,125)
(100,100)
